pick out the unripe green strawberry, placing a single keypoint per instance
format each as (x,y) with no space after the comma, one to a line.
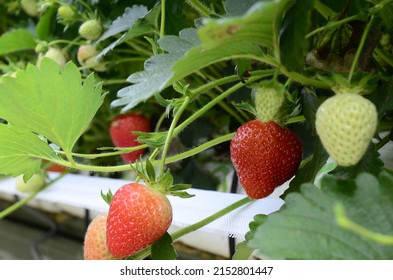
(138,216)
(268,100)
(65,12)
(36,182)
(94,247)
(265,155)
(346,124)
(90,29)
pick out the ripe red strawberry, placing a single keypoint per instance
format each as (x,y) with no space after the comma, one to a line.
(138,216)
(95,240)
(121,129)
(265,155)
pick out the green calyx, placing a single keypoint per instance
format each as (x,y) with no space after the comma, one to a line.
(162,184)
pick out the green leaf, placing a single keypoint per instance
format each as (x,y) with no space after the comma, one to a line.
(237,8)
(150,171)
(292,35)
(182,194)
(153,139)
(254,224)
(180,187)
(306,227)
(45,24)
(218,40)
(157,73)
(138,25)
(309,171)
(125,21)
(310,104)
(243,252)
(17,40)
(163,248)
(107,197)
(258,25)
(21,151)
(50,101)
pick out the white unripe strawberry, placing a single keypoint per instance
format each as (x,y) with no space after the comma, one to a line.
(346,124)
(55,54)
(35,183)
(87,55)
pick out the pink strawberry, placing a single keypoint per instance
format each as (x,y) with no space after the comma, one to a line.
(95,240)
(121,129)
(265,155)
(138,216)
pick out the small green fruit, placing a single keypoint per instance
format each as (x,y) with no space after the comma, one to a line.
(66,14)
(90,29)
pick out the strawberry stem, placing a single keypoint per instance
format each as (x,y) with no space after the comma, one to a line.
(162,25)
(147,251)
(360,48)
(171,133)
(211,218)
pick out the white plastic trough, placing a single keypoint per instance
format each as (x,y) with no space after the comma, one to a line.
(75,194)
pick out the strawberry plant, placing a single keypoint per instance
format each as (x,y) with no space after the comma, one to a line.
(282,92)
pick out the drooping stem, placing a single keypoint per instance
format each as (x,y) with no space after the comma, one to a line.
(126,167)
(200,7)
(211,218)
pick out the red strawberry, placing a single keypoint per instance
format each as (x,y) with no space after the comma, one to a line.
(138,216)
(95,240)
(121,129)
(265,155)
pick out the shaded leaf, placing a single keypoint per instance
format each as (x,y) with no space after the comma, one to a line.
(309,171)
(21,151)
(237,8)
(157,72)
(243,251)
(292,35)
(125,21)
(218,40)
(163,248)
(45,24)
(141,26)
